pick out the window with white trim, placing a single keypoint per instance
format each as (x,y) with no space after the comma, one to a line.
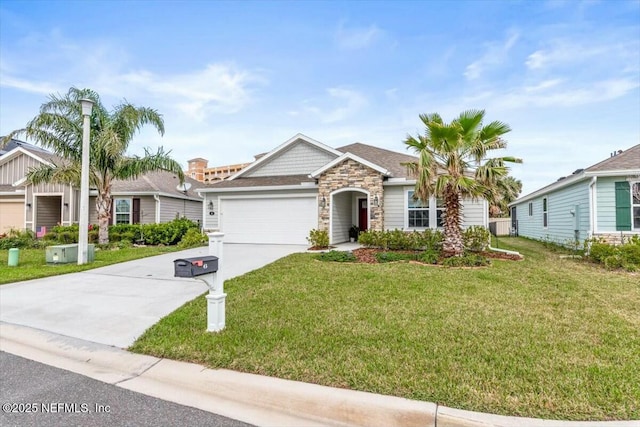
(439,213)
(122,211)
(635,204)
(417,212)
(545,213)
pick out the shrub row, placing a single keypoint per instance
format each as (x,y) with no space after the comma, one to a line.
(476,239)
(626,256)
(169,233)
(401,240)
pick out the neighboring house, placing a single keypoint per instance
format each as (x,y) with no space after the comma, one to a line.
(304,184)
(595,202)
(152,198)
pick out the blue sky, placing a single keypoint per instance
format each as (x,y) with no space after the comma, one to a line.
(234,79)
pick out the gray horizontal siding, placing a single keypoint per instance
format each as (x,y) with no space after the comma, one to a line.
(301,158)
(395,209)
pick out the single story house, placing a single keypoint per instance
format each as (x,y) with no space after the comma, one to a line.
(601,201)
(304,184)
(152,198)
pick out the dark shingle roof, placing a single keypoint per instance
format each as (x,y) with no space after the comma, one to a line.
(263,181)
(628,159)
(390,160)
(160,181)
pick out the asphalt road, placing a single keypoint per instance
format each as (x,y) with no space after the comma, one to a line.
(33,394)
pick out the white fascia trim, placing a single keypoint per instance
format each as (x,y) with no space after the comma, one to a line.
(624,172)
(353,157)
(281,147)
(265,188)
(12,193)
(152,193)
(549,188)
(391,182)
(19,150)
(20,181)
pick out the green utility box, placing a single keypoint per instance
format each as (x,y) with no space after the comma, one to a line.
(14,256)
(65,254)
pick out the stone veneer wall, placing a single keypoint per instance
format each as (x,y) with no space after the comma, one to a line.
(351,174)
(614,238)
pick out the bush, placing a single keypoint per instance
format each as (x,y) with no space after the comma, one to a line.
(402,240)
(318,238)
(467,260)
(337,256)
(193,238)
(599,251)
(429,257)
(18,239)
(476,238)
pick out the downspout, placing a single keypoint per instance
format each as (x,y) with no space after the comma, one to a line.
(593,219)
(157,199)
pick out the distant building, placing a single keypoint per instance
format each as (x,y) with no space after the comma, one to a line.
(199,171)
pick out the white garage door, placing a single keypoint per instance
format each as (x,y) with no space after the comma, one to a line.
(268,220)
(11,216)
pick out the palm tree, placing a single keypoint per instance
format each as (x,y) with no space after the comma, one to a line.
(452,165)
(508,190)
(58,127)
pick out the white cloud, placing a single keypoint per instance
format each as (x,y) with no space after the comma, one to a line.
(341,104)
(495,54)
(357,38)
(219,88)
(44,88)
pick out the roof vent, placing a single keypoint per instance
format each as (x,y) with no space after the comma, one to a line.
(577,171)
(561,178)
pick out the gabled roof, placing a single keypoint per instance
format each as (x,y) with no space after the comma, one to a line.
(387,159)
(345,156)
(157,182)
(44,157)
(625,163)
(628,160)
(298,137)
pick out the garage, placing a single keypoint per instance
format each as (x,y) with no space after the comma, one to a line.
(270,220)
(11,215)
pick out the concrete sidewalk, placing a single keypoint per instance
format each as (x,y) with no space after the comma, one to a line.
(255,399)
(114,305)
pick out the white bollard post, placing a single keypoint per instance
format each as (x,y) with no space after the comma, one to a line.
(216,297)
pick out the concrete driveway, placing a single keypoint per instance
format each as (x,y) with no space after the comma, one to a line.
(114,305)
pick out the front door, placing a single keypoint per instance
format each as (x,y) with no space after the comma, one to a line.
(363,215)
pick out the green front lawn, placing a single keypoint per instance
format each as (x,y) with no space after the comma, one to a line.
(33,265)
(544,337)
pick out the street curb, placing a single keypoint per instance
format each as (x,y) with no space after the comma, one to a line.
(255,399)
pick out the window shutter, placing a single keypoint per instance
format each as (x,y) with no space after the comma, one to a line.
(623,206)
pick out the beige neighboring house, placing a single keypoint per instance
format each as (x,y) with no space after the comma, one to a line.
(152,198)
(304,184)
(198,169)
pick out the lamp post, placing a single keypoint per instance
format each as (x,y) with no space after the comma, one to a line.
(83,237)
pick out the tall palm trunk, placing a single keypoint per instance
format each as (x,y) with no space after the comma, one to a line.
(453,245)
(103,207)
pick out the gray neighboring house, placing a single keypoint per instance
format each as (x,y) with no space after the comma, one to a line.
(601,201)
(304,184)
(152,198)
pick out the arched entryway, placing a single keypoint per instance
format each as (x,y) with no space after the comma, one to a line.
(348,207)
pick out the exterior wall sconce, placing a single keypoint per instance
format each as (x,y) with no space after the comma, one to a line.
(210,206)
(66,205)
(376,202)
(323,202)
(28,205)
